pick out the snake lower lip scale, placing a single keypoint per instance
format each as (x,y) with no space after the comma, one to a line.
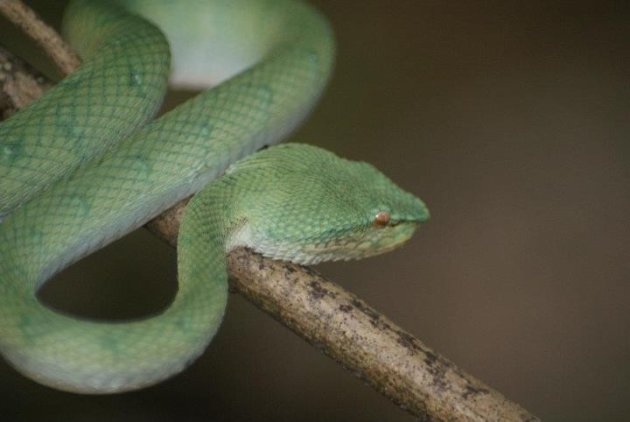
(83,166)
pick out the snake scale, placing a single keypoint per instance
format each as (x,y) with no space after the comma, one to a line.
(87,163)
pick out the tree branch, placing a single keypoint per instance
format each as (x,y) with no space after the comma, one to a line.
(344,327)
(46,37)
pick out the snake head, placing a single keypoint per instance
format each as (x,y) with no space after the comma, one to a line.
(306,205)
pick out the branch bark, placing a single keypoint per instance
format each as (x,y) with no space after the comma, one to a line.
(335,321)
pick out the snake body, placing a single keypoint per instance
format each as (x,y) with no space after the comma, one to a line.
(82,167)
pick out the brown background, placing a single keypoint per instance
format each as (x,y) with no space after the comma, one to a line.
(511,120)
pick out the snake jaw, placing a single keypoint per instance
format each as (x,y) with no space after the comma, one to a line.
(368,243)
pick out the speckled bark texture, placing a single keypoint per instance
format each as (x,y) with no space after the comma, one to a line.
(20,84)
(341,325)
(367,343)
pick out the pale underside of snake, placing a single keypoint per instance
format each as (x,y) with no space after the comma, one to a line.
(83,166)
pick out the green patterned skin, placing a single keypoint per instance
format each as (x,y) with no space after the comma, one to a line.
(82,167)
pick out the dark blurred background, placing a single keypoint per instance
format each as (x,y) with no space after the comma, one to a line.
(511,120)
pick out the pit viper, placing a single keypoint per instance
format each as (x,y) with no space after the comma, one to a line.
(88,163)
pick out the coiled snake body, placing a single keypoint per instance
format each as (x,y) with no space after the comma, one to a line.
(81,167)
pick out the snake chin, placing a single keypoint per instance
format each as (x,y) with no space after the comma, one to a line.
(362,243)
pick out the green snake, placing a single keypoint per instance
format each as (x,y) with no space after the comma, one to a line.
(84,165)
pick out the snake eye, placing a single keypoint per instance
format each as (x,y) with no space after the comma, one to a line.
(382,219)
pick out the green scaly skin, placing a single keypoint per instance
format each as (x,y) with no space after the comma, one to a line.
(81,167)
